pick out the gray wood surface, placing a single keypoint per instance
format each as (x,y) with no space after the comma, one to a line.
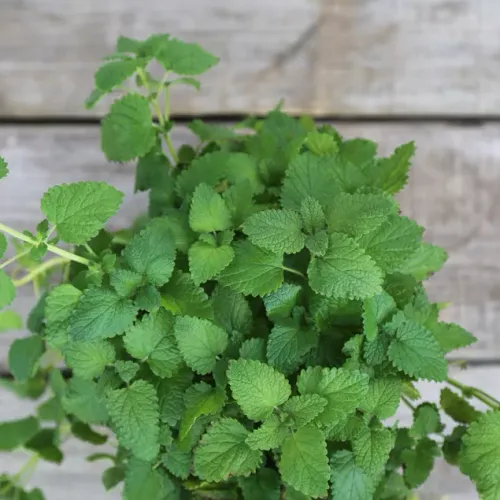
(328,57)
(81,479)
(453,192)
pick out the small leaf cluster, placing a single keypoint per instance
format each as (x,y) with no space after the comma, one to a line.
(250,335)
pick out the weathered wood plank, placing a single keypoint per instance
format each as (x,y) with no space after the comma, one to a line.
(341,57)
(453,192)
(83,477)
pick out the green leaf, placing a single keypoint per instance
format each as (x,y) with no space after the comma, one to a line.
(451,336)
(152,253)
(231,311)
(426,260)
(343,389)
(257,388)
(391,173)
(200,399)
(125,281)
(359,152)
(280,303)
(10,320)
(208,132)
(3,244)
(88,359)
(80,210)
(392,242)
(458,408)
(321,144)
(271,434)
(371,448)
(24,355)
(276,230)
(7,290)
(148,298)
(349,481)
(61,302)
(127,370)
(418,463)
(3,168)
(143,481)
(83,400)
(345,271)
(182,297)
(287,344)
(171,393)
(415,351)
(114,73)
(358,214)
(127,131)
(200,342)
(185,58)
(317,243)
(16,433)
(223,452)
(383,397)
(304,409)
(112,476)
(313,217)
(253,271)
(101,314)
(452,445)
(85,433)
(208,211)
(265,484)
(376,310)
(253,349)
(304,462)
(178,462)
(308,176)
(426,420)
(206,261)
(135,413)
(151,339)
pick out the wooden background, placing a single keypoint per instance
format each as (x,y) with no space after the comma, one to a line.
(388,70)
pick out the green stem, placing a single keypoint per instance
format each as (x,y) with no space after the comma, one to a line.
(42,268)
(51,248)
(477,393)
(407,402)
(293,271)
(16,257)
(89,250)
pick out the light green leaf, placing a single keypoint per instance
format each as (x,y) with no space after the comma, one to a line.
(257,388)
(376,310)
(61,302)
(178,462)
(349,481)
(264,485)
(304,462)
(88,359)
(391,174)
(271,434)
(276,230)
(280,303)
(127,131)
(114,73)
(321,144)
(206,261)
(427,259)
(211,132)
(135,415)
(208,211)
(304,409)
(127,370)
(152,339)
(313,217)
(232,311)
(223,452)
(16,433)
(80,210)
(345,271)
(415,351)
(7,290)
(451,336)
(371,447)
(200,342)
(287,344)
(10,320)
(253,349)
(343,389)
(3,243)
(125,281)
(83,400)
(392,242)
(253,271)
(382,398)
(101,314)
(359,152)
(152,253)
(3,168)
(24,355)
(200,399)
(317,243)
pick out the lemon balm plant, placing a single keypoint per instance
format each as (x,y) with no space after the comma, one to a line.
(250,336)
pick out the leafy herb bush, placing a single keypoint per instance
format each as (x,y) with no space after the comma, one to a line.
(250,336)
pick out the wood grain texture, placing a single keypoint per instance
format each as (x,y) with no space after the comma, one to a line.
(454,192)
(83,478)
(327,57)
